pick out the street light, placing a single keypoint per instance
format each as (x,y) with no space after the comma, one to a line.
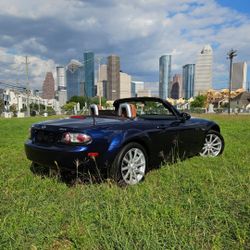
(231,54)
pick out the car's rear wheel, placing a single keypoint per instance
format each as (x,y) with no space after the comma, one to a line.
(130,165)
(213,144)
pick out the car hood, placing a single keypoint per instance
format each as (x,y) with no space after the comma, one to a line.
(84,123)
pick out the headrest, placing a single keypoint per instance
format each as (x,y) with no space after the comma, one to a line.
(127,110)
(94,109)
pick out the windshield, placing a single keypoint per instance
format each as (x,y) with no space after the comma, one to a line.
(152,109)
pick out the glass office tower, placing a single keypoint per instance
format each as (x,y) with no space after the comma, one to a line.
(188,80)
(165,76)
(89,70)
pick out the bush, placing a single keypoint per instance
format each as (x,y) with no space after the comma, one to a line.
(199,102)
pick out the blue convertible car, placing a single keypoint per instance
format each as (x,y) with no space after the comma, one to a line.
(124,143)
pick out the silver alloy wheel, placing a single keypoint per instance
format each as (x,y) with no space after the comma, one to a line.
(212,146)
(133,166)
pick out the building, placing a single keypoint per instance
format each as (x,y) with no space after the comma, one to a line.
(241,101)
(49,86)
(102,81)
(125,85)
(144,93)
(61,85)
(164,76)
(176,87)
(188,76)
(89,70)
(74,79)
(113,84)
(133,93)
(135,87)
(153,87)
(239,76)
(203,71)
(20,99)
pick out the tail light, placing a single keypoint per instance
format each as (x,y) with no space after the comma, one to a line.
(77,138)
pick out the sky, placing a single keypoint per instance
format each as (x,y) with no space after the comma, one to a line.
(52,33)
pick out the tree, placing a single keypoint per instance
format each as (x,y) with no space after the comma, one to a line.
(69,106)
(199,102)
(89,100)
(95,100)
(80,99)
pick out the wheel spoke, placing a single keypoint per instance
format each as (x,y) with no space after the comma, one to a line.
(138,171)
(130,155)
(131,177)
(126,175)
(210,138)
(138,158)
(205,151)
(125,159)
(139,164)
(214,140)
(215,148)
(135,152)
(125,168)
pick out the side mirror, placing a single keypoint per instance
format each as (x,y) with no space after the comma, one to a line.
(185,116)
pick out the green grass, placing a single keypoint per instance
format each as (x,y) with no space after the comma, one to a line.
(200,203)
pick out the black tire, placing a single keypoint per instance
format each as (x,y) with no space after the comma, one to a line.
(219,150)
(115,172)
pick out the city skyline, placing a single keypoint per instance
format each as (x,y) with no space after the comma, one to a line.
(51,39)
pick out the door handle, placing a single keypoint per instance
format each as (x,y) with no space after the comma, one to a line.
(161,126)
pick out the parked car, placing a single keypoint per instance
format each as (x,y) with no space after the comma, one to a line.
(124,143)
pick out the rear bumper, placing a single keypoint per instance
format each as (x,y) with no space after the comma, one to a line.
(64,155)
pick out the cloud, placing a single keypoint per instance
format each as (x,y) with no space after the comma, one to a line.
(139,31)
(14,70)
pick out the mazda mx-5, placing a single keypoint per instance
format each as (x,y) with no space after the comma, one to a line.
(123,143)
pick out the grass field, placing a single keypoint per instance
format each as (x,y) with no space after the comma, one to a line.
(200,203)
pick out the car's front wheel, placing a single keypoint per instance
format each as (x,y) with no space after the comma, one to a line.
(130,165)
(213,144)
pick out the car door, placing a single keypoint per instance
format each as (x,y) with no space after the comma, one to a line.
(191,135)
(165,132)
(168,138)
(163,139)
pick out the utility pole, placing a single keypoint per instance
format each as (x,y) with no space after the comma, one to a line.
(231,54)
(27,85)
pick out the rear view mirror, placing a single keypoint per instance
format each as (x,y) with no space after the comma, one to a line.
(185,116)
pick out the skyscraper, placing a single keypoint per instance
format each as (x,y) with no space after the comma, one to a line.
(239,75)
(176,87)
(188,76)
(102,81)
(113,84)
(89,70)
(165,76)
(75,79)
(49,86)
(203,71)
(61,85)
(125,85)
